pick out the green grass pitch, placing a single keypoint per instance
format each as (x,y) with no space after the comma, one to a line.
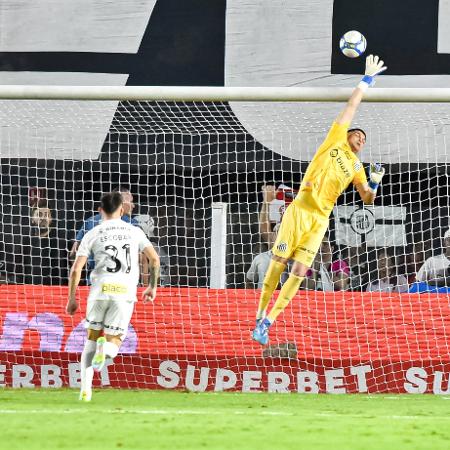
(55,419)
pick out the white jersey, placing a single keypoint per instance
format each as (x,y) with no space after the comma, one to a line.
(115,246)
(433,267)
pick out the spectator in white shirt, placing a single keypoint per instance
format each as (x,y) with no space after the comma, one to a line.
(259,265)
(435,271)
(387,280)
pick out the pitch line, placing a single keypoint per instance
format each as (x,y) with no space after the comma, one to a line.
(143,411)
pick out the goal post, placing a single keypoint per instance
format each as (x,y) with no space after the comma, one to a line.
(211,170)
(219,94)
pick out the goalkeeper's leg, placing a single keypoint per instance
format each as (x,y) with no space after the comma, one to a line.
(287,293)
(270,283)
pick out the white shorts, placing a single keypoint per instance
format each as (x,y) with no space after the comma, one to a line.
(112,316)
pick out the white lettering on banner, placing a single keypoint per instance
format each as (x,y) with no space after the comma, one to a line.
(203,383)
(74,375)
(278,382)
(2,375)
(334,381)
(251,381)
(51,376)
(307,382)
(225,379)
(169,377)
(437,384)
(360,372)
(417,380)
(22,375)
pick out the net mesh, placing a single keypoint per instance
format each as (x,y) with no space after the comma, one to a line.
(363,319)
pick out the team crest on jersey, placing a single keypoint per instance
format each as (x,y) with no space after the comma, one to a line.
(333,153)
(282,247)
(357,166)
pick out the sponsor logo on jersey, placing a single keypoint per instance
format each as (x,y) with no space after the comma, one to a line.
(357,166)
(307,250)
(344,169)
(114,288)
(282,247)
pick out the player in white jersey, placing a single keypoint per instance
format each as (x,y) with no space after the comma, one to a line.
(115,246)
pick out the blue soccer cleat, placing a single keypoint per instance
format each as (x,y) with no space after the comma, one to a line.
(261,332)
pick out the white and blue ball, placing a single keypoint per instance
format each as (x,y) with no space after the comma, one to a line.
(353,44)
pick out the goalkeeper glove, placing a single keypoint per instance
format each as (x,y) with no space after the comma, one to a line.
(374,66)
(376,174)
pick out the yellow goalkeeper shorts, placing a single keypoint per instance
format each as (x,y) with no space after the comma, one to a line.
(300,235)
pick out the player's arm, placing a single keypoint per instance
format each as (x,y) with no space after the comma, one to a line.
(153,273)
(143,264)
(374,66)
(368,191)
(74,281)
(265,227)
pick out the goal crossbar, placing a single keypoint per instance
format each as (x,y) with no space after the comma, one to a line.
(214,94)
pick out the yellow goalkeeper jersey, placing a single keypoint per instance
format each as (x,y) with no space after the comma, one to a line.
(330,172)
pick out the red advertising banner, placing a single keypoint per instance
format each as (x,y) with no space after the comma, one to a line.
(199,339)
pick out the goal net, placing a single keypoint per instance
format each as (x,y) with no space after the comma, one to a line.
(210,181)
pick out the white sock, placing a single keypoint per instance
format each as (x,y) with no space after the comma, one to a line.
(87,372)
(111,350)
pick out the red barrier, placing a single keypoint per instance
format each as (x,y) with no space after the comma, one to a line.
(200,339)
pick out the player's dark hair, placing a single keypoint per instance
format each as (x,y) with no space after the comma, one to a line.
(357,129)
(111,202)
(122,189)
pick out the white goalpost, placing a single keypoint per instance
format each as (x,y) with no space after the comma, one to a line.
(211,170)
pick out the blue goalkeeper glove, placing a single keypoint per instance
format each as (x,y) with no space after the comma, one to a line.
(374,66)
(376,174)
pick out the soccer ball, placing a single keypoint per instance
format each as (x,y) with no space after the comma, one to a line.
(353,44)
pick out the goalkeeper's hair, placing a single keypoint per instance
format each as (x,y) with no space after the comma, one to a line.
(357,129)
(111,202)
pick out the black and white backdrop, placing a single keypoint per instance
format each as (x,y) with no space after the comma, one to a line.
(219,43)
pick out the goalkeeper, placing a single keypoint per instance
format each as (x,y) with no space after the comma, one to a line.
(334,166)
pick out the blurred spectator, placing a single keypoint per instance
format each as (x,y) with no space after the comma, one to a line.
(416,255)
(44,250)
(267,228)
(94,220)
(147,225)
(259,264)
(340,275)
(361,260)
(435,271)
(319,276)
(387,280)
(275,201)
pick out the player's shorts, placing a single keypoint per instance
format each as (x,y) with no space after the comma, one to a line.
(112,316)
(300,235)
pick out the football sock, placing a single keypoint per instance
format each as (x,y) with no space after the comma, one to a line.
(87,372)
(270,283)
(111,350)
(286,294)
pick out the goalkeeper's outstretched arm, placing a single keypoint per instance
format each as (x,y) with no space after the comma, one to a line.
(368,191)
(374,66)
